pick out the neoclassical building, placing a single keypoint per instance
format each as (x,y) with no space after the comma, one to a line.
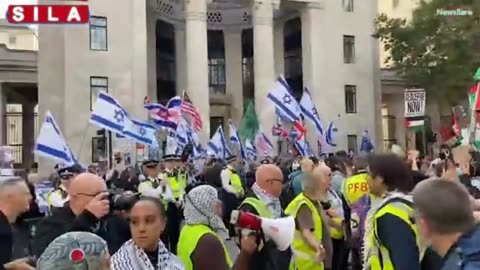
(222,52)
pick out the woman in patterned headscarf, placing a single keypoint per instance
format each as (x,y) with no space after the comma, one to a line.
(75,250)
(145,251)
(201,244)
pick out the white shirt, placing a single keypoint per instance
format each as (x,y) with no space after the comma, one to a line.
(162,191)
(225,177)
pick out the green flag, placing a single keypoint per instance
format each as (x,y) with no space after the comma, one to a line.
(249,125)
(477,75)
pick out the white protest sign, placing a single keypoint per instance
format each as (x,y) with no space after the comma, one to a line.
(415,102)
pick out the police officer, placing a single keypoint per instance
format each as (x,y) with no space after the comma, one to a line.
(59,196)
(152,185)
(232,190)
(172,176)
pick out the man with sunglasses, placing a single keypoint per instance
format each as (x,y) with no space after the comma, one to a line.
(88,210)
(263,200)
(58,197)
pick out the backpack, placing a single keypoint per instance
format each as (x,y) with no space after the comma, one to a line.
(359,211)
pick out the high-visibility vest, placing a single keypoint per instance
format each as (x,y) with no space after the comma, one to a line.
(305,256)
(235,181)
(259,206)
(355,187)
(188,240)
(149,183)
(176,185)
(49,196)
(381,260)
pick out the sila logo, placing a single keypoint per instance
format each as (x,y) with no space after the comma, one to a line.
(44,14)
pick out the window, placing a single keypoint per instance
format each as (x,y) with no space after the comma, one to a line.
(350,99)
(352,143)
(216,78)
(12,39)
(347,5)
(215,122)
(395,4)
(348,49)
(98,34)
(97,85)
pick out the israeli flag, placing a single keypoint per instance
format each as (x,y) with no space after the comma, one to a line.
(285,104)
(109,114)
(331,134)
(235,139)
(310,111)
(217,146)
(141,132)
(51,143)
(263,144)
(250,149)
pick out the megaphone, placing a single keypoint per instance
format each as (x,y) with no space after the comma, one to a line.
(281,230)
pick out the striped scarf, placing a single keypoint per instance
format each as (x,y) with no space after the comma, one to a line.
(132,257)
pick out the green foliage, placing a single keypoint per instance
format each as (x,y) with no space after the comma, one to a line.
(249,125)
(435,52)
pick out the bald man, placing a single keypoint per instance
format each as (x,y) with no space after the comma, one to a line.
(263,200)
(89,211)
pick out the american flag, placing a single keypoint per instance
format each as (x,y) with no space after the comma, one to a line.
(191,112)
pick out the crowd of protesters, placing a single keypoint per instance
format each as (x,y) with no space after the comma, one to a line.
(392,210)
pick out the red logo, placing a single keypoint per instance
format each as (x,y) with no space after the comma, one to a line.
(43,14)
(77,255)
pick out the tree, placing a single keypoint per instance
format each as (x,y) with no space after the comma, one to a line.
(432,51)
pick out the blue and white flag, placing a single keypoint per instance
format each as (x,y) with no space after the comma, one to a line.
(172,144)
(141,132)
(251,151)
(366,145)
(235,139)
(51,143)
(165,116)
(310,111)
(331,134)
(217,146)
(109,114)
(285,104)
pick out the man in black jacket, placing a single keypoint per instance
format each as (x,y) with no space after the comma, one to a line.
(88,210)
(263,201)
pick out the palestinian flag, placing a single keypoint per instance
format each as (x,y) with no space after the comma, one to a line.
(472,93)
(414,123)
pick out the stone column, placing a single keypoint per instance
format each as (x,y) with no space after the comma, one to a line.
(3,119)
(197,61)
(264,63)
(28,131)
(314,69)
(180,60)
(151,55)
(233,61)
(279,48)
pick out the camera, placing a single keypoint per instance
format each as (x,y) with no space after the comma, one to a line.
(121,200)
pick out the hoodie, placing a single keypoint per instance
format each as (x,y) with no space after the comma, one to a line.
(297,181)
(465,254)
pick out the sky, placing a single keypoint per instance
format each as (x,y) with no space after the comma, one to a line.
(4,4)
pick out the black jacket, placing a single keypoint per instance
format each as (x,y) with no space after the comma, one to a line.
(269,257)
(113,229)
(6,244)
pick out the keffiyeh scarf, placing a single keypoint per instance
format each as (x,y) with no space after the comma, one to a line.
(273,203)
(199,208)
(132,257)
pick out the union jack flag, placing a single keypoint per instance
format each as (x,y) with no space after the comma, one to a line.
(278,130)
(191,113)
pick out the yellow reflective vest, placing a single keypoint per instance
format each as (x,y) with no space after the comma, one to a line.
(378,257)
(235,181)
(304,255)
(58,192)
(187,243)
(259,206)
(176,184)
(355,187)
